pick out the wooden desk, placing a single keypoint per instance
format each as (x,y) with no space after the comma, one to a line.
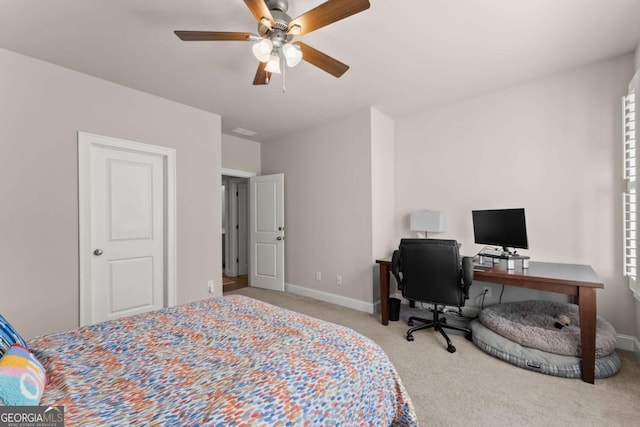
(579,281)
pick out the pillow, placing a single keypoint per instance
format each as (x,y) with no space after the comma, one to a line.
(22,378)
(9,336)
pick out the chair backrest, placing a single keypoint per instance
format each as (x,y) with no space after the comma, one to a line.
(431,271)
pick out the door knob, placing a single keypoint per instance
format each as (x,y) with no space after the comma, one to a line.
(279,238)
(97,252)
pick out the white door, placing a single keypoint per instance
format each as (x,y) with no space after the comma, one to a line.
(125,247)
(266,231)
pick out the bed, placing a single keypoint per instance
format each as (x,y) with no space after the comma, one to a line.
(230,360)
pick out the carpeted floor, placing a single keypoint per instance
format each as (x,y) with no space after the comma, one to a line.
(471,388)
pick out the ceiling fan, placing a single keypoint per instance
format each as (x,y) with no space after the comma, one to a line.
(276,31)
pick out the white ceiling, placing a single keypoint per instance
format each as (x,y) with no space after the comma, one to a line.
(405,55)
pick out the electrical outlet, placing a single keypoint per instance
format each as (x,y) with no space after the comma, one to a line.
(210,286)
(338,280)
(318,276)
(486,290)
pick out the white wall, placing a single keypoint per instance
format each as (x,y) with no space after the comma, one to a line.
(240,154)
(43,106)
(327,205)
(551,146)
(382,191)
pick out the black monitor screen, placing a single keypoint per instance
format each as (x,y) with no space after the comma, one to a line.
(500,227)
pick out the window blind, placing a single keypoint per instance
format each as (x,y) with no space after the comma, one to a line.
(630,200)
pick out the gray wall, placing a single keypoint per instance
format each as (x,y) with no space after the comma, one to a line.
(327,174)
(382,191)
(559,136)
(43,106)
(552,146)
(240,154)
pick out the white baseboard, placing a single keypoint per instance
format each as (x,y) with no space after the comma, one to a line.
(355,304)
(628,342)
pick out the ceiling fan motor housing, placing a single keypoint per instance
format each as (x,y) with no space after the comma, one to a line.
(281,5)
(278,33)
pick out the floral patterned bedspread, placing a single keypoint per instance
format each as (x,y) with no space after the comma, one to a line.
(227,361)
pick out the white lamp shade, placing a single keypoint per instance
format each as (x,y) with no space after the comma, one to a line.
(273,66)
(432,221)
(262,50)
(292,54)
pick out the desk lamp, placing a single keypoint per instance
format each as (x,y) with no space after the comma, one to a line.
(427,221)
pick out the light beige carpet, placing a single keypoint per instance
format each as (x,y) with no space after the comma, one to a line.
(471,388)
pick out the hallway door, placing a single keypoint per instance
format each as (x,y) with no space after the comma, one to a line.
(266,231)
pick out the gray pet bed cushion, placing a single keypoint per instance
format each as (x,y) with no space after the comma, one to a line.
(537,360)
(531,324)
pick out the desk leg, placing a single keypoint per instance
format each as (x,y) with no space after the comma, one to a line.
(384,293)
(587,306)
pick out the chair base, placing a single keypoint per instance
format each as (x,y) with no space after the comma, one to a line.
(438,324)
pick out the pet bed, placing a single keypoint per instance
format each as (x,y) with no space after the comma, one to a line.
(538,360)
(532,324)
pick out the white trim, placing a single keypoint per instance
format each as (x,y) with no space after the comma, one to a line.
(355,304)
(628,342)
(237,173)
(85,142)
(84,223)
(232,234)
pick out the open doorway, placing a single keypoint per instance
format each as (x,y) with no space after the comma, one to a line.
(235,227)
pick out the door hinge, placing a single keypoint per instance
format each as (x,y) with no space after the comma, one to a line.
(237,228)
(237,194)
(237,260)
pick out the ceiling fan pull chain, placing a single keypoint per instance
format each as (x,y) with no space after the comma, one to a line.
(284,73)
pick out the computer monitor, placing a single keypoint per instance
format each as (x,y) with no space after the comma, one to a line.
(500,227)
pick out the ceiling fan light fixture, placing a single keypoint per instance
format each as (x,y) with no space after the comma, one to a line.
(292,54)
(262,50)
(273,66)
(295,29)
(266,22)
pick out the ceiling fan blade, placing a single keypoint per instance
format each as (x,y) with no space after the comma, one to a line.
(259,10)
(327,13)
(321,60)
(212,36)
(262,76)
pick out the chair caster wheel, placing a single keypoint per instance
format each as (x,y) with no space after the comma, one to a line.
(468,337)
(410,338)
(410,322)
(451,349)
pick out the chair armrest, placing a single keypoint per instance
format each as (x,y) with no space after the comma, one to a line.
(467,275)
(395,267)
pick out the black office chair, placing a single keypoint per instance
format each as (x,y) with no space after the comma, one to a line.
(429,270)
